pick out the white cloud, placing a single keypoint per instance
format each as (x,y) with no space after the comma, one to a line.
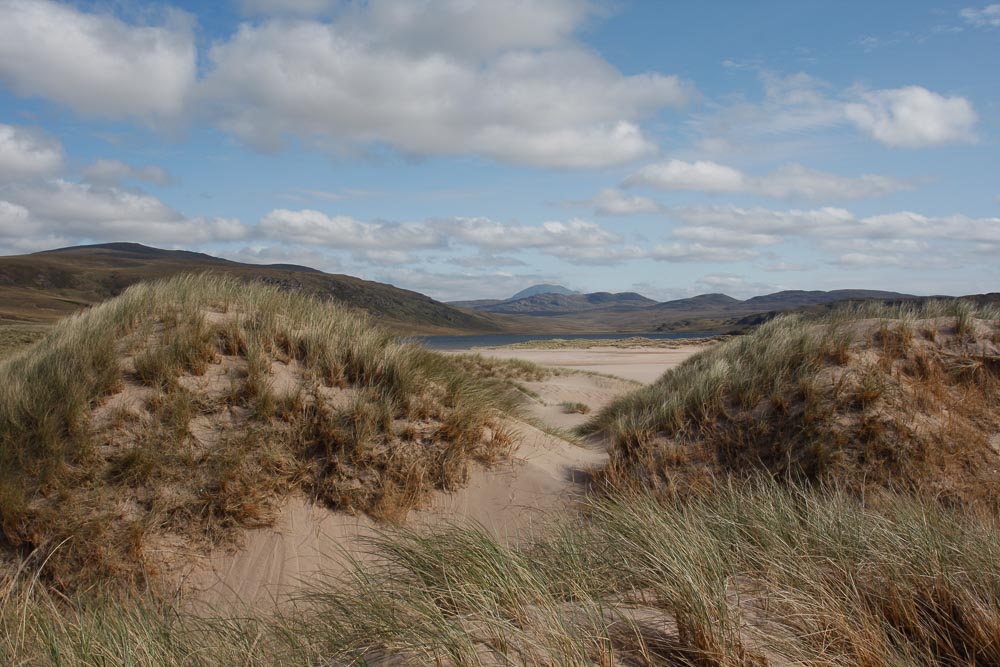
(797,182)
(902,231)
(791,181)
(95,63)
(348,89)
(486,260)
(113,172)
(612,201)
(797,110)
(491,235)
(84,212)
(26,153)
(725,237)
(913,117)
(473,29)
(734,285)
(987,17)
(308,227)
(701,176)
(759,220)
(385,257)
(699,252)
(284,254)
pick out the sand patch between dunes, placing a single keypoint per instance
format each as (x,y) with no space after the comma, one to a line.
(512,499)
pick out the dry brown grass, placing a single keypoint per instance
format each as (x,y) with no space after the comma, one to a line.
(169,418)
(753,574)
(869,398)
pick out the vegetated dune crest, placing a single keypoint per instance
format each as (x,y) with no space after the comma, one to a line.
(180,413)
(203,429)
(892,397)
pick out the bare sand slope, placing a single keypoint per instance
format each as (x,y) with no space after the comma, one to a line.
(511,498)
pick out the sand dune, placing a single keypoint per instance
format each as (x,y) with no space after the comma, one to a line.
(511,498)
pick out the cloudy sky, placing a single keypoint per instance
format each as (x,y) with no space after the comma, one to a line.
(468,149)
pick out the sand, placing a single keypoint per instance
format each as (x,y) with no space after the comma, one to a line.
(639,364)
(546,474)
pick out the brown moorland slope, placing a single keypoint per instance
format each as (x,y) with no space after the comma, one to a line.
(44,286)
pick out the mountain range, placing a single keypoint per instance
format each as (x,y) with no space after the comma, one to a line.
(630,311)
(44,286)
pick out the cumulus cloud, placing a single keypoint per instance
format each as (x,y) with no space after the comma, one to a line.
(699,252)
(308,227)
(96,63)
(913,117)
(27,153)
(792,181)
(472,29)
(113,172)
(83,212)
(493,235)
(796,108)
(701,176)
(561,107)
(900,235)
(612,201)
(986,17)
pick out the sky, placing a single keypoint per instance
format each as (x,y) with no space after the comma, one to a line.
(468,149)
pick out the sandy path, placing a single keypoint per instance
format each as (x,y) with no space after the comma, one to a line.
(510,499)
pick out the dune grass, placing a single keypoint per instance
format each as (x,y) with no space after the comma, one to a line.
(185,409)
(778,560)
(754,574)
(902,396)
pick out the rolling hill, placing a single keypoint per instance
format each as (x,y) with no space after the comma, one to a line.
(45,286)
(39,288)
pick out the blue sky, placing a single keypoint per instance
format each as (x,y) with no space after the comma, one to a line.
(468,149)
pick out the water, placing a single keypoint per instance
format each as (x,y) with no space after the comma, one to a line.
(493,340)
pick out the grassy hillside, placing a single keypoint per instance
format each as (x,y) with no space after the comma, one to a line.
(181,411)
(45,286)
(902,397)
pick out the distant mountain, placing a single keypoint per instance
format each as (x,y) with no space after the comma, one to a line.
(44,286)
(542,288)
(549,303)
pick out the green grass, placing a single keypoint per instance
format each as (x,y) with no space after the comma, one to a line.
(575,407)
(371,424)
